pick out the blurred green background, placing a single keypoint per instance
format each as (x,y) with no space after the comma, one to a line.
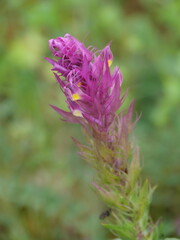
(44,185)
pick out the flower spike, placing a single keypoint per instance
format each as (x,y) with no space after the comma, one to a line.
(93,96)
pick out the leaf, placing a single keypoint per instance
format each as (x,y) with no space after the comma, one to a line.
(172,239)
(125,230)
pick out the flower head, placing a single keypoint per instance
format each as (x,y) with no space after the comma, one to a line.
(92,92)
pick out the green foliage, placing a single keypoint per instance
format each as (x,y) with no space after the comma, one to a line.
(43,184)
(171,238)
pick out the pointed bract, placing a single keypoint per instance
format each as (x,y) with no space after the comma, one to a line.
(92,92)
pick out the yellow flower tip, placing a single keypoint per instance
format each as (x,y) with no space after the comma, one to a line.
(77,113)
(109,62)
(79,84)
(75,97)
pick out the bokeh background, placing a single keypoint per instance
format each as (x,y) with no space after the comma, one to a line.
(45,189)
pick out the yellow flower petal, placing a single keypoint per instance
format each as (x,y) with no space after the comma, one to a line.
(76,97)
(109,62)
(77,113)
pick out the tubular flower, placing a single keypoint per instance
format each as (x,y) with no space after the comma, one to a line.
(91,90)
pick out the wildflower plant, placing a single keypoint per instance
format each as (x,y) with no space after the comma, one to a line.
(93,95)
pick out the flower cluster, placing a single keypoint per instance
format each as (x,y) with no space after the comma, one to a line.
(92,92)
(93,97)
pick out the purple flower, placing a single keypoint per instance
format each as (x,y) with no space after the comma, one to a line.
(70,53)
(92,92)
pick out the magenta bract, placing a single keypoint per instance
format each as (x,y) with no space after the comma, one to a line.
(92,92)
